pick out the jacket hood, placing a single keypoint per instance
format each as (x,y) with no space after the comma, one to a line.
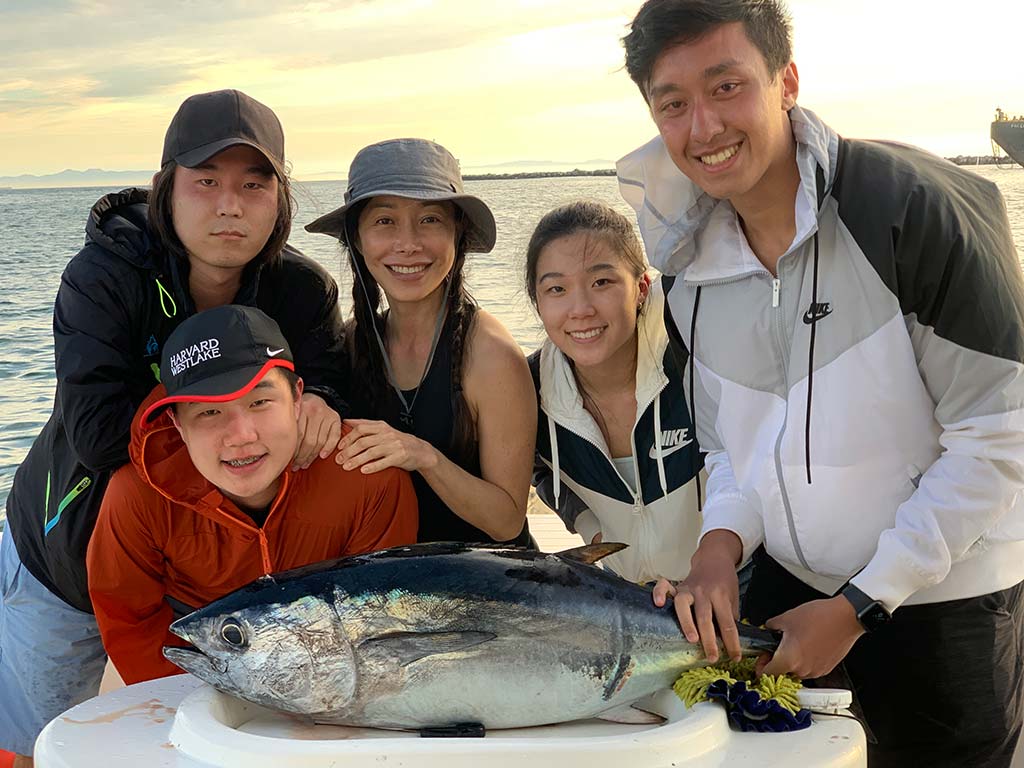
(160,457)
(118,222)
(562,402)
(672,211)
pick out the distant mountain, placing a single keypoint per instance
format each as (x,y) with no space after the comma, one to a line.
(93,177)
(99,177)
(526,165)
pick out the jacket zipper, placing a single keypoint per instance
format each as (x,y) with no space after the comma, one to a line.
(638,494)
(724,280)
(604,452)
(778,332)
(780,340)
(73,494)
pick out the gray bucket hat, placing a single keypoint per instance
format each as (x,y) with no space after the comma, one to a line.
(413,168)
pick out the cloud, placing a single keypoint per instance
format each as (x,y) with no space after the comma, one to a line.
(132,82)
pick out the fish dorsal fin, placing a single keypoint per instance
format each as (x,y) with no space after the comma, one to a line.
(408,647)
(591,553)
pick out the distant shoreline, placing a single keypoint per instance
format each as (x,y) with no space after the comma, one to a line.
(966,160)
(537,174)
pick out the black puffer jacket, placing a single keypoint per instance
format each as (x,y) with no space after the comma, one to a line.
(119,300)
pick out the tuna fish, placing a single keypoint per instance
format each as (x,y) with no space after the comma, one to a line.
(433,635)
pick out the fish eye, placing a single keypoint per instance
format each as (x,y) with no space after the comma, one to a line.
(232,634)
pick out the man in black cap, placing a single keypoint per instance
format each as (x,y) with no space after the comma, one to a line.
(208,505)
(213,231)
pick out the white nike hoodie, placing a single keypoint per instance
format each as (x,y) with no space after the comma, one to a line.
(575,476)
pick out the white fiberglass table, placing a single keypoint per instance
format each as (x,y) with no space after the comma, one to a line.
(179,722)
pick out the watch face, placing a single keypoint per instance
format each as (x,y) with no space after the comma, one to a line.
(874,616)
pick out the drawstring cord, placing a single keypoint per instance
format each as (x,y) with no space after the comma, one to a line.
(406,415)
(658,446)
(810,362)
(553,437)
(165,296)
(693,410)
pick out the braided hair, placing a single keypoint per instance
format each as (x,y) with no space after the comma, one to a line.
(367,359)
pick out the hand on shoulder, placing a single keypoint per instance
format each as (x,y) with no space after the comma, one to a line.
(371,446)
(319,431)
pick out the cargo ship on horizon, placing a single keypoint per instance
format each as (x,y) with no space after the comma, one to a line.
(1008,134)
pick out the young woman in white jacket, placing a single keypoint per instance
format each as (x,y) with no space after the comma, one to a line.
(616,458)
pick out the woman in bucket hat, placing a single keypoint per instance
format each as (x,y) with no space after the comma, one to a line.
(446,388)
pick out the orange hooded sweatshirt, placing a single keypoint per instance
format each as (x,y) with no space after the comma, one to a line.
(165,536)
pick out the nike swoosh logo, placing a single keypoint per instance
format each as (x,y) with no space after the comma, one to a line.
(274,352)
(817,312)
(667,451)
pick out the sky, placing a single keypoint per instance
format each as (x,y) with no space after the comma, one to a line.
(94,83)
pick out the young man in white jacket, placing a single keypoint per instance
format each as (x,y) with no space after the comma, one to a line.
(854,312)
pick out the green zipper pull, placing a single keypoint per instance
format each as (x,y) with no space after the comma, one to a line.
(165,296)
(46,503)
(84,483)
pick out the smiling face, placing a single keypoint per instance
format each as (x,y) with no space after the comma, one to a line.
(408,245)
(224,210)
(244,445)
(587,298)
(723,116)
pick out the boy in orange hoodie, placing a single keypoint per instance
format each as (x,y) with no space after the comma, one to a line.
(208,504)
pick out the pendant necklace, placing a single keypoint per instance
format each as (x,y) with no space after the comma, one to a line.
(406,416)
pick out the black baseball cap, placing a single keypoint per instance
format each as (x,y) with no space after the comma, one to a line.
(208,123)
(219,355)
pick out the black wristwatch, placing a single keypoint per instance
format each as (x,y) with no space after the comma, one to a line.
(870,613)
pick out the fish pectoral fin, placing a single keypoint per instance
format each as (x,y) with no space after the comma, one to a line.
(631,715)
(591,553)
(408,647)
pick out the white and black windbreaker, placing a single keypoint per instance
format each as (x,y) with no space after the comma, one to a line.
(863,412)
(575,475)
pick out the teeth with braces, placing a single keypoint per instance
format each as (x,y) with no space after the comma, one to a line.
(244,462)
(586,334)
(407,270)
(720,157)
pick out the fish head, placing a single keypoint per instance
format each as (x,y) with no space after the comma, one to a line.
(288,654)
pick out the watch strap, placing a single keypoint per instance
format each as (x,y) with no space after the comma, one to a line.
(870,612)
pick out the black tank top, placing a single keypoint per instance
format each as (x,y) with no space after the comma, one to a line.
(433,416)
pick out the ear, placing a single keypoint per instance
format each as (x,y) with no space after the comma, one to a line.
(174,420)
(790,85)
(299,386)
(152,182)
(645,286)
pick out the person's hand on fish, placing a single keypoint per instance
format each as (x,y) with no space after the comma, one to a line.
(816,636)
(319,431)
(375,445)
(709,594)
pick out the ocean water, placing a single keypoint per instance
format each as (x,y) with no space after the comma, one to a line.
(40,229)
